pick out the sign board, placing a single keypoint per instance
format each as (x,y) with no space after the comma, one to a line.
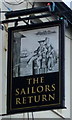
(35,67)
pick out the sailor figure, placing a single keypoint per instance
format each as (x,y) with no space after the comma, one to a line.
(51,55)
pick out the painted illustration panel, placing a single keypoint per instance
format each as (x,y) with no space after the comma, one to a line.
(37,51)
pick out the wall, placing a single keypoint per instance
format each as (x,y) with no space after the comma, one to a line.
(71,75)
(0,67)
(71,4)
(3,76)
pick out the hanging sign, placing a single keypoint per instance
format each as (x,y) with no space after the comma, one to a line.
(35,67)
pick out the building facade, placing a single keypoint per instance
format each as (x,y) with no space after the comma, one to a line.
(38,65)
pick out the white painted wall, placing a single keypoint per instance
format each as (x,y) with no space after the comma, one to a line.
(0,67)
(71,76)
(3,76)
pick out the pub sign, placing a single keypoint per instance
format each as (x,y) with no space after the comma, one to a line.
(35,78)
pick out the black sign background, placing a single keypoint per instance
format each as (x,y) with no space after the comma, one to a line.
(56,78)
